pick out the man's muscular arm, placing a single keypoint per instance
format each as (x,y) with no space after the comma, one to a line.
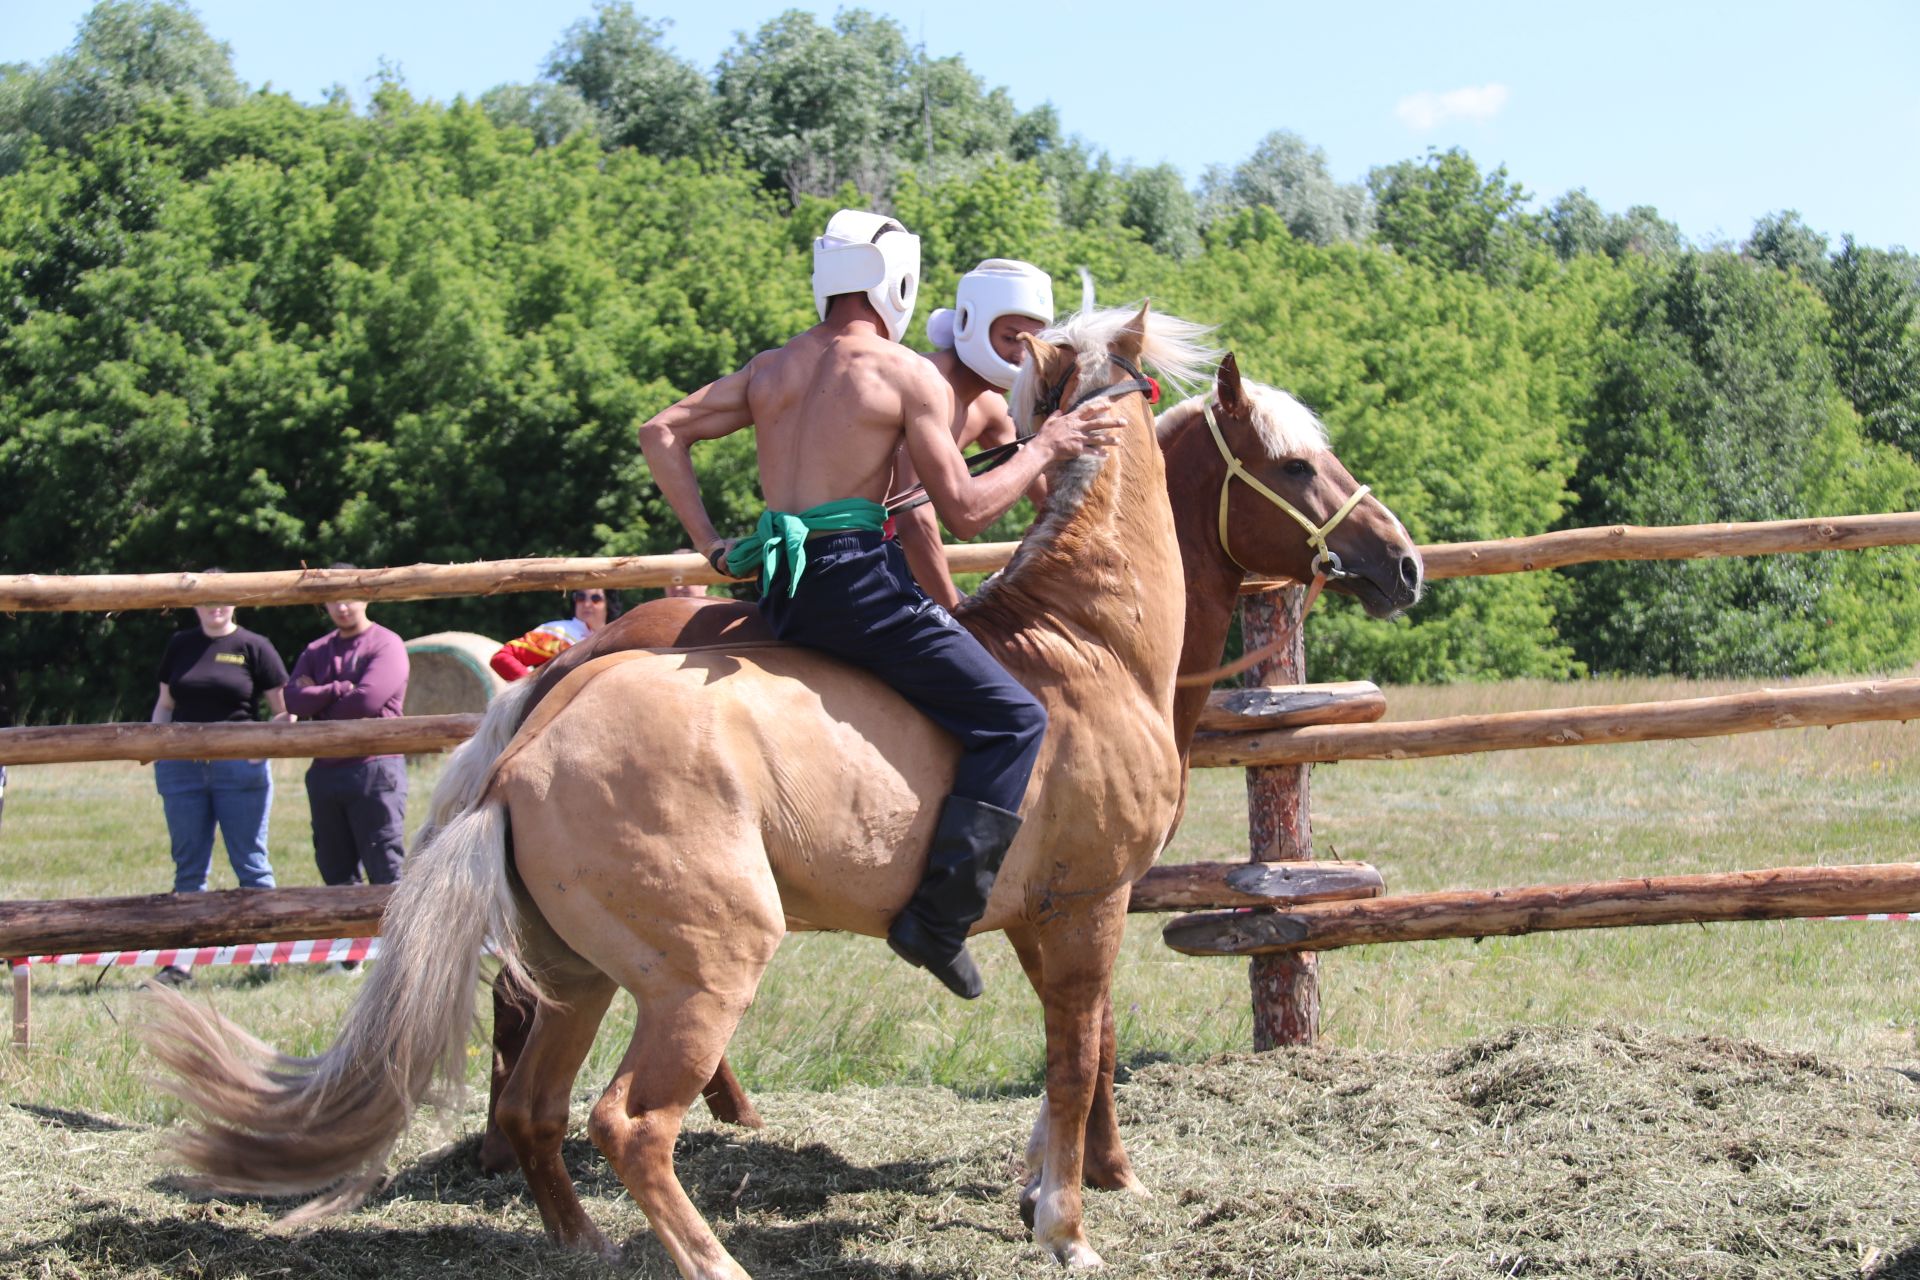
(967,504)
(919,535)
(715,410)
(1000,430)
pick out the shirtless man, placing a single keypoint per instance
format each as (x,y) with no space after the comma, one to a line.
(979,355)
(830,410)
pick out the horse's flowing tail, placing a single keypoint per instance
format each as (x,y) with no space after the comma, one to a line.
(470,767)
(277,1125)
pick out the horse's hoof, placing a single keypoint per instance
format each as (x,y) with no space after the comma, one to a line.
(1029,1201)
(1078,1255)
(496,1153)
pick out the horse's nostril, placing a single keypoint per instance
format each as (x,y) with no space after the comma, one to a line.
(1410,570)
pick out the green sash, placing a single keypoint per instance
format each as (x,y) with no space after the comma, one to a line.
(781,535)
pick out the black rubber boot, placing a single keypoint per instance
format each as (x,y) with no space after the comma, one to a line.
(931,930)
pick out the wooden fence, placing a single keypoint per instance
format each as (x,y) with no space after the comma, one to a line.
(1275,732)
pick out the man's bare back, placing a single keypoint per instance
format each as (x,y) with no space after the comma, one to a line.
(830,411)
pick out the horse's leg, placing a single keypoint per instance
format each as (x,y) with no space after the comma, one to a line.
(683,1031)
(512,1023)
(728,1101)
(1027,947)
(532,1113)
(1107,1166)
(513,1018)
(1077,951)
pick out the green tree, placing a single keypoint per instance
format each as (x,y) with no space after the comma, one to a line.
(814,108)
(128,54)
(1712,400)
(1782,240)
(1440,210)
(1291,177)
(1875,345)
(1576,225)
(1156,203)
(645,96)
(552,113)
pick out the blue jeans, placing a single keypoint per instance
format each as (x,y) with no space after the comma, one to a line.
(197,795)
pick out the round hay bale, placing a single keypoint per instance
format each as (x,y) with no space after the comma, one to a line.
(450,674)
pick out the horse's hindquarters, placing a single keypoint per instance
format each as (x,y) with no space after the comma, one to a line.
(666,796)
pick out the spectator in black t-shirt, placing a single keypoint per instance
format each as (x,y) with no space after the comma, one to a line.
(211,673)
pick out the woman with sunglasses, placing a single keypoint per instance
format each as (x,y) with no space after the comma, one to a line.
(589,610)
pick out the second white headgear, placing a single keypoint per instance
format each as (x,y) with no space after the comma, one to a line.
(997,287)
(872,254)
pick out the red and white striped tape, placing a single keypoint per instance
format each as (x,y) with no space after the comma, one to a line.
(312,951)
(1894,916)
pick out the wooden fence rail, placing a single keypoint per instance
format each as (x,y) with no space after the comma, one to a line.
(353,911)
(1781,893)
(1340,702)
(1849,703)
(32,592)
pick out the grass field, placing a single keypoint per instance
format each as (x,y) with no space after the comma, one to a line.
(903,1168)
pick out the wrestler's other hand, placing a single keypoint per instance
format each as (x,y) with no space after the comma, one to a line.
(1093,428)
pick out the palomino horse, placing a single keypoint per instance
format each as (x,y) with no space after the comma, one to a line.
(1289,453)
(665,853)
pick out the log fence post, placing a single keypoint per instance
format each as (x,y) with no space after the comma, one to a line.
(1285,988)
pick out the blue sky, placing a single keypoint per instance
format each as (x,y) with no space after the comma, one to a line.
(1713,114)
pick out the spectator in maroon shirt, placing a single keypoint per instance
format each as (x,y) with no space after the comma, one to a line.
(358,671)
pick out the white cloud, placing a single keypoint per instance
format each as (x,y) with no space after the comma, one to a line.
(1426,109)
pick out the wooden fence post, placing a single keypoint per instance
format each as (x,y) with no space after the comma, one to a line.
(22,1004)
(1286,988)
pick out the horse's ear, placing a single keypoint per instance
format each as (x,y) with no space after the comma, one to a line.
(1232,396)
(1133,339)
(1046,356)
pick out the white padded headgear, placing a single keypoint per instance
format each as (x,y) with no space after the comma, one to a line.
(872,254)
(997,287)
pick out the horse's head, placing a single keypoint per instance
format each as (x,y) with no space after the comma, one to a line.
(1287,506)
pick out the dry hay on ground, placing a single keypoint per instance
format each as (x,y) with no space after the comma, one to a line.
(1541,1152)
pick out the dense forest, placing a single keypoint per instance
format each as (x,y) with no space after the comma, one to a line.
(240,330)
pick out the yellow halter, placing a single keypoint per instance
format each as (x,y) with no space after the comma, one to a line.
(1326,564)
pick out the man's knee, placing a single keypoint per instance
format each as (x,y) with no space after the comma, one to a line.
(1030,721)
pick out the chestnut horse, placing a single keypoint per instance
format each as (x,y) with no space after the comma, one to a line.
(666,853)
(1289,451)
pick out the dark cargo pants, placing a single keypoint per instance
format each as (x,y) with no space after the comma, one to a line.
(359,819)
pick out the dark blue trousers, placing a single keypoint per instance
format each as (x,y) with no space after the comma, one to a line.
(858,601)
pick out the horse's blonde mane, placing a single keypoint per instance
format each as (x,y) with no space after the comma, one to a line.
(1284,425)
(1173,348)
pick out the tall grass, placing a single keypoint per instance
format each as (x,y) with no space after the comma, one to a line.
(837,1010)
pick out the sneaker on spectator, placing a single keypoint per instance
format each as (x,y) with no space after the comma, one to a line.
(173,975)
(344,969)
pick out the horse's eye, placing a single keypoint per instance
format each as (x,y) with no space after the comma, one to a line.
(1298,467)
